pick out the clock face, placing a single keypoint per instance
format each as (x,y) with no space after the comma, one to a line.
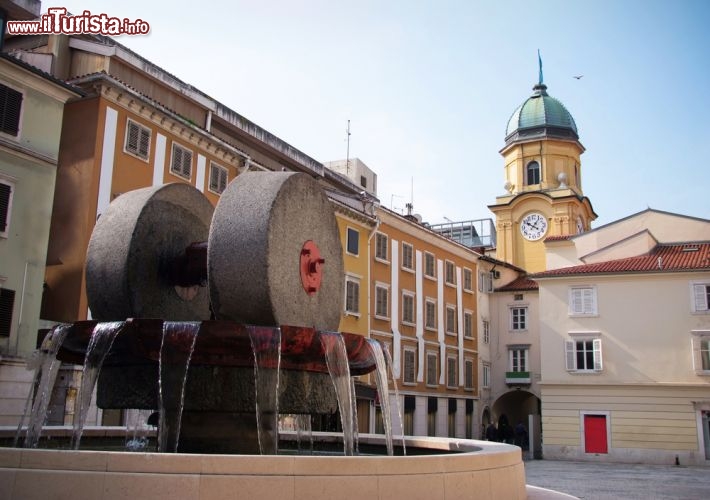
(533,226)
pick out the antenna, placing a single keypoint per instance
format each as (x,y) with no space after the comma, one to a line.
(347,153)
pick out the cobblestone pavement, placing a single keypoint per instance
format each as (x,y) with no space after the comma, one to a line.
(597,481)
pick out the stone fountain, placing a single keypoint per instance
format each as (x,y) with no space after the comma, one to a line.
(268,254)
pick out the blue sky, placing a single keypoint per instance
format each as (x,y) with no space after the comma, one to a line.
(429,86)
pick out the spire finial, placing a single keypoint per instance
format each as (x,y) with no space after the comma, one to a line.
(539,61)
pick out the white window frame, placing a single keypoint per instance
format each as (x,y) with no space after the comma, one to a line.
(486,325)
(350,233)
(407,256)
(571,352)
(429,302)
(141,129)
(450,268)
(451,381)
(448,325)
(409,295)
(409,351)
(428,256)
(223,172)
(524,308)
(8,216)
(582,300)
(486,382)
(468,325)
(356,282)
(485,282)
(468,369)
(697,339)
(699,300)
(467,277)
(185,151)
(432,362)
(378,257)
(525,358)
(386,289)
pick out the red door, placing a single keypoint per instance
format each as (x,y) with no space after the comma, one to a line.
(595,434)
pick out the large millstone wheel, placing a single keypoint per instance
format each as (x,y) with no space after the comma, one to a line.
(132,248)
(264,225)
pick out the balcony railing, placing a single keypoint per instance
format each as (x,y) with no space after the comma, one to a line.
(517,378)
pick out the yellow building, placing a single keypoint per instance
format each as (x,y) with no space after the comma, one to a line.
(543,182)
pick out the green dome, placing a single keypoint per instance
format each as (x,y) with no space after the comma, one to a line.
(540,115)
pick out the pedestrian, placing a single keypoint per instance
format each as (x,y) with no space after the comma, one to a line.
(492,432)
(521,436)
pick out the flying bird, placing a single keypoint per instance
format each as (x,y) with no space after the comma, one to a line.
(578,77)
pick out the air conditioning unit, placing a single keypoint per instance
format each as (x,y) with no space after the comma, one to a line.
(495,274)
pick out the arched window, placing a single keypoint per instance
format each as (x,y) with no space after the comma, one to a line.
(532,174)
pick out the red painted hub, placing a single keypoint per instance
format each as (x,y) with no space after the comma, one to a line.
(311,267)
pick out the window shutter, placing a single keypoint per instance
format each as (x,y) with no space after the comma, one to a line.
(588,306)
(5,191)
(569,356)
(132,139)
(695,351)
(144,144)
(700,297)
(7,302)
(10,109)
(597,344)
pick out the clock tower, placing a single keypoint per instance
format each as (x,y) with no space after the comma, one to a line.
(543,181)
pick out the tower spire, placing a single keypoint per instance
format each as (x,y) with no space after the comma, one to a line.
(539,61)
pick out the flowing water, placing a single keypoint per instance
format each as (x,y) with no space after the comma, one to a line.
(336,357)
(304,432)
(137,429)
(100,344)
(266,344)
(388,357)
(44,379)
(383,392)
(356,436)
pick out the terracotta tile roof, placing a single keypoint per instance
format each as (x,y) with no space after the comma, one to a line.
(561,237)
(662,258)
(520,284)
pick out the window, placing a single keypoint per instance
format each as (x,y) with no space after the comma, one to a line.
(407,256)
(467,280)
(532,173)
(451,421)
(363,181)
(10,110)
(381,301)
(450,319)
(407,308)
(700,342)
(430,314)
(353,243)
(582,301)
(583,355)
(432,369)
(6,190)
(485,282)
(518,360)
(486,331)
(468,324)
(137,140)
(486,375)
(181,161)
(701,297)
(7,302)
(381,247)
(450,273)
(432,407)
(352,295)
(518,318)
(468,374)
(451,372)
(429,265)
(410,404)
(409,366)
(218,178)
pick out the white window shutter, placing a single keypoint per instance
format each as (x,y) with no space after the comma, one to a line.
(569,356)
(597,355)
(589,305)
(700,297)
(695,351)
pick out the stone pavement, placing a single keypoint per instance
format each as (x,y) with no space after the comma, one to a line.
(607,481)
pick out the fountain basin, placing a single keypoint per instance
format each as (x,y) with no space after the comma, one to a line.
(457,469)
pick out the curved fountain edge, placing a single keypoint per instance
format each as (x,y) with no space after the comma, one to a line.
(480,469)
